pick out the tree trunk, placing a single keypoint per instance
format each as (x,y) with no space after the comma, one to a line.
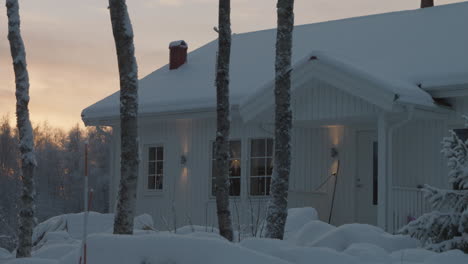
(28,159)
(427,3)
(223,121)
(123,36)
(277,211)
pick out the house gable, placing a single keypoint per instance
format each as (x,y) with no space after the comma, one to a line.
(318,100)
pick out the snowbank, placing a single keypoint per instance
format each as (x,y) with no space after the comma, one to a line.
(310,232)
(344,236)
(297,218)
(293,254)
(309,241)
(70,226)
(167,249)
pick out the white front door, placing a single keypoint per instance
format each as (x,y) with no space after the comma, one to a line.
(366,185)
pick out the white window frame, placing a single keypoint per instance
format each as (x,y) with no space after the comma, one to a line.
(212,159)
(146,168)
(249,193)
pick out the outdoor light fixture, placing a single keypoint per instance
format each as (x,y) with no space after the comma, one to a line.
(334,152)
(183,160)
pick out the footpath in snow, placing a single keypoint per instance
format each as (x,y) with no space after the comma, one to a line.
(307,240)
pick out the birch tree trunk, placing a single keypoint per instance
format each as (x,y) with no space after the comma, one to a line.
(223,121)
(123,36)
(28,159)
(277,211)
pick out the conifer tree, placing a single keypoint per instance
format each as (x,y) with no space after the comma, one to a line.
(446,227)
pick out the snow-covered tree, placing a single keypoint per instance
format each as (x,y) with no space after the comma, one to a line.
(277,211)
(28,159)
(223,120)
(128,72)
(446,227)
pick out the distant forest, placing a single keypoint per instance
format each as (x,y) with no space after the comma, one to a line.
(59,175)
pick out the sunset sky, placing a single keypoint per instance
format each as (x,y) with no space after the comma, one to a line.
(71,54)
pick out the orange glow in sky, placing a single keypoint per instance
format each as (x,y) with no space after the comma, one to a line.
(71,55)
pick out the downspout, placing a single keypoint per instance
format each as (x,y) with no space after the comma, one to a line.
(392,129)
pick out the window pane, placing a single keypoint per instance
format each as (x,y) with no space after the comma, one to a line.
(159,182)
(151,182)
(152,154)
(234,187)
(269,166)
(159,168)
(235,147)
(257,186)
(268,185)
(257,148)
(151,167)
(257,167)
(235,168)
(160,153)
(270,147)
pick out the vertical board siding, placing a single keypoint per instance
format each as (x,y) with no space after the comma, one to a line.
(186,196)
(318,100)
(417,157)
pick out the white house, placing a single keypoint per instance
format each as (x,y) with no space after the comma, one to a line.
(379,91)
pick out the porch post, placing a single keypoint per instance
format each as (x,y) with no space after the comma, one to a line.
(382,129)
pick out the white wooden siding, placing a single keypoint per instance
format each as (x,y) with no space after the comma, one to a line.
(187,190)
(320,101)
(186,194)
(417,160)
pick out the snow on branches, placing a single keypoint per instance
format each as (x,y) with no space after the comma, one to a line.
(446,227)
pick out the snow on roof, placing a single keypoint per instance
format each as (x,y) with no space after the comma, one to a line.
(405,47)
(178,43)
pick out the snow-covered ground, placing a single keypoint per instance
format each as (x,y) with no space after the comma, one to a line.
(307,240)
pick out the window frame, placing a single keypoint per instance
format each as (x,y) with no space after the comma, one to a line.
(249,168)
(146,168)
(240,177)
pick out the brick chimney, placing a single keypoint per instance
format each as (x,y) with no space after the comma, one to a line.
(427,3)
(177,54)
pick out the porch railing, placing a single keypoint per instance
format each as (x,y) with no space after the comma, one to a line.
(408,204)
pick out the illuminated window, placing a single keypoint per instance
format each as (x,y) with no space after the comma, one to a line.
(234,169)
(261,166)
(155,168)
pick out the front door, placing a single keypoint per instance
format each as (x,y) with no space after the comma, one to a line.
(366,178)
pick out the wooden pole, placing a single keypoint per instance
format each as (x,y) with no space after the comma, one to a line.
(83,255)
(335,173)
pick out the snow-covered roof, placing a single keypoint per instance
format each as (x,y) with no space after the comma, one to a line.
(400,50)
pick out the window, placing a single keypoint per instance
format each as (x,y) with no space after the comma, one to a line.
(234,168)
(155,168)
(261,166)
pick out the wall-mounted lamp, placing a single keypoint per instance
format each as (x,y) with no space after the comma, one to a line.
(334,152)
(183,160)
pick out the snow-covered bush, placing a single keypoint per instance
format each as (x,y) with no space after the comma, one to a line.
(446,227)
(69,227)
